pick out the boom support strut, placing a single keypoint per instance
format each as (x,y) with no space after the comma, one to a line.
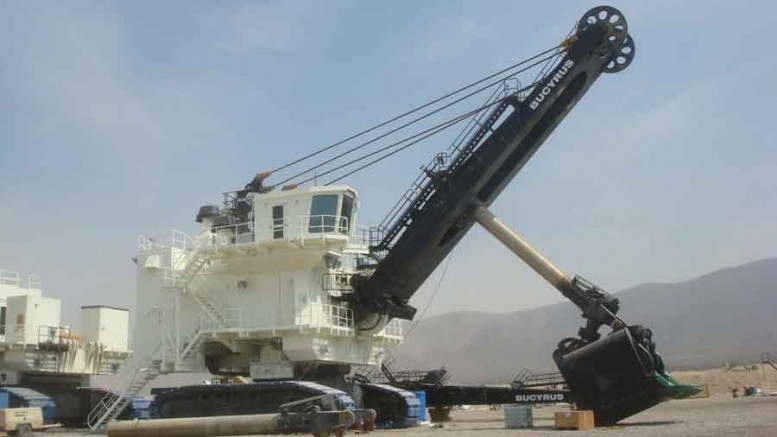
(615,376)
(598,306)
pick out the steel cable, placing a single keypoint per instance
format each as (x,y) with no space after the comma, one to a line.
(424,135)
(412,111)
(416,120)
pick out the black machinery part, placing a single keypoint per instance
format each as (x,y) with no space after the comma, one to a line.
(395,407)
(449,395)
(318,415)
(613,376)
(625,51)
(236,399)
(427,231)
(382,403)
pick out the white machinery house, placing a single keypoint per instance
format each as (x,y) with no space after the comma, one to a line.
(258,291)
(33,340)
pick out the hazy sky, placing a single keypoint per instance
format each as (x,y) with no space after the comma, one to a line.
(121,118)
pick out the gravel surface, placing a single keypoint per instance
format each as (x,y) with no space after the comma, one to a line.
(720,416)
(756,417)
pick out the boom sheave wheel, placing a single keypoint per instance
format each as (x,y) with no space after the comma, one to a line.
(622,57)
(619,38)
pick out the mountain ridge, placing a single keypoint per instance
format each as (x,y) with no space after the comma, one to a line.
(721,316)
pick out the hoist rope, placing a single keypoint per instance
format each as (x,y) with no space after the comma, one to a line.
(418,138)
(437,288)
(411,122)
(423,135)
(412,111)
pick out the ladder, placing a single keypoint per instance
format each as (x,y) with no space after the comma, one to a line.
(424,186)
(114,402)
(194,263)
(191,348)
(210,308)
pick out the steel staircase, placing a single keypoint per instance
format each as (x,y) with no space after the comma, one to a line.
(183,271)
(191,348)
(114,402)
(424,186)
(209,307)
(194,263)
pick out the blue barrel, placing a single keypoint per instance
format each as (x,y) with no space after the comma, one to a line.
(421,395)
(141,408)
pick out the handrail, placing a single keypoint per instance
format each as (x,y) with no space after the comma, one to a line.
(133,379)
(423,186)
(303,227)
(9,277)
(12,278)
(317,316)
(112,396)
(392,329)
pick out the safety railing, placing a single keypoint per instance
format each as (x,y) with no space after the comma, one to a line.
(233,316)
(368,236)
(229,235)
(57,334)
(422,188)
(206,324)
(392,329)
(182,240)
(316,316)
(133,379)
(8,277)
(34,282)
(305,227)
(38,334)
(528,379)
(177,239)
(46,335)
(331,316)
(336,282)
(150,244)
(323,223)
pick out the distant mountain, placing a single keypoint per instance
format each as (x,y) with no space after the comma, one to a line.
(727,315)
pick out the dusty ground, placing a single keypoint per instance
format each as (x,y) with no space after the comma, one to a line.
(717,416)
(721,381)
(752,417)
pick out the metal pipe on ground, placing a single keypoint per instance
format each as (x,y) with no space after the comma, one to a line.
(319,424)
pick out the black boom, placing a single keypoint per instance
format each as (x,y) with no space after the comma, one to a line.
(426,231)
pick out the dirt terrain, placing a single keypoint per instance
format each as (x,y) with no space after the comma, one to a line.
(712,417)
(718,416)
(721,381)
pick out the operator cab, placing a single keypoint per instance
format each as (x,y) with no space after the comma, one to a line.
(297,215)
(304,213)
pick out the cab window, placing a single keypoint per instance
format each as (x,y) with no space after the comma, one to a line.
(277,221)
(323,213)
(346,215)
